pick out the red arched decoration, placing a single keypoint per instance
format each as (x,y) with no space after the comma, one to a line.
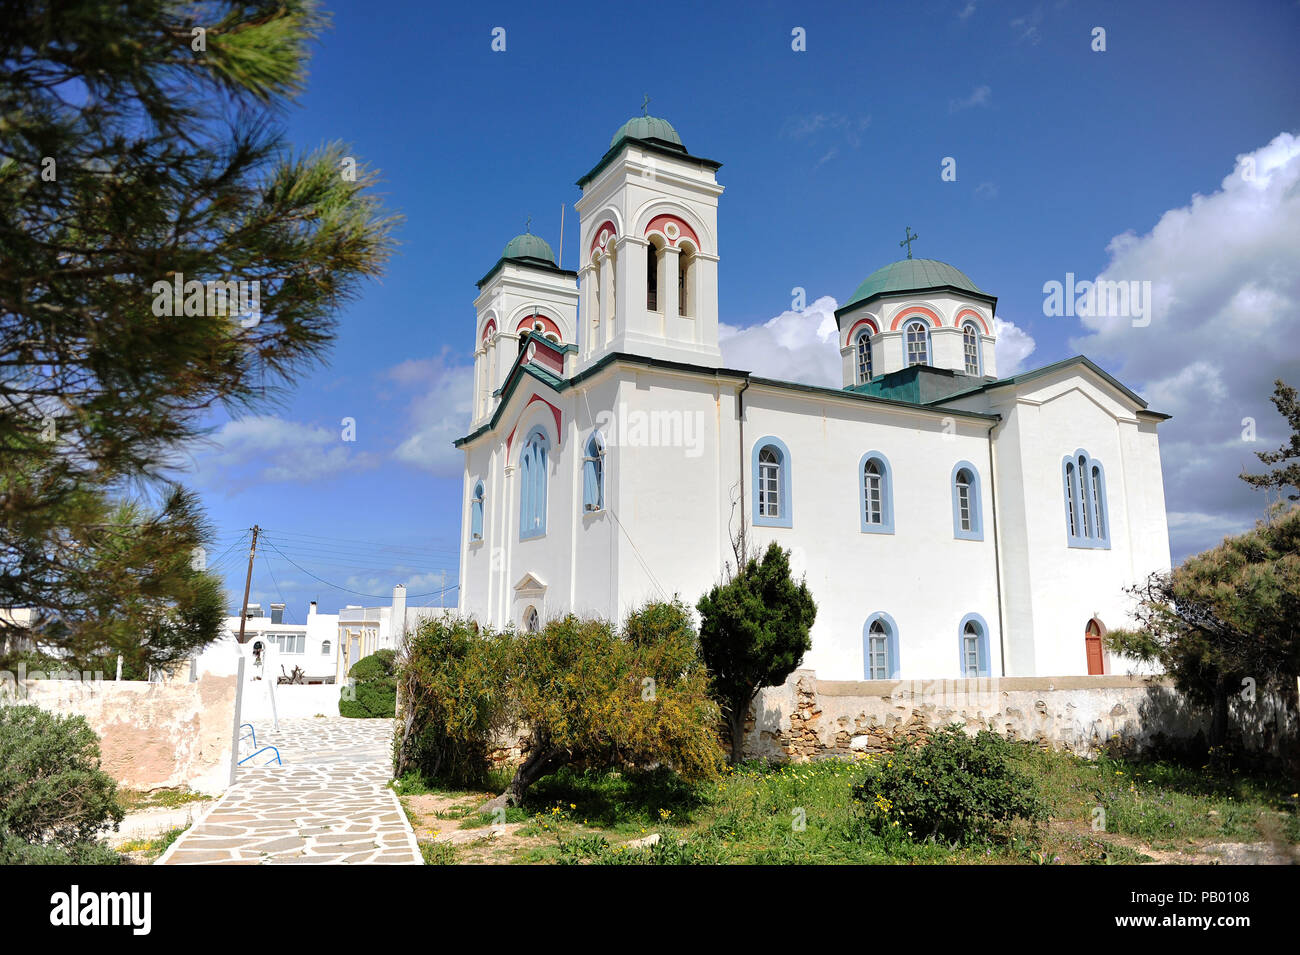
(853,331)
(608,230)
(660,222)
(526,324)
(911,310)
(973,314)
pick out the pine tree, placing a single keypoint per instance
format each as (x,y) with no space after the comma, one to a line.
(162,253)
(754,632)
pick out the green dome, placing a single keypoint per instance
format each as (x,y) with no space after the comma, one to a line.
(647,127)
(910,275)
(528,246)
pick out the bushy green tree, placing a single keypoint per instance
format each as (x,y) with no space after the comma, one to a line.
(374,687)
(1288,456)
(581,691)
(55,801)
(1225,620)
(454,700)
(754,632)
(141,147)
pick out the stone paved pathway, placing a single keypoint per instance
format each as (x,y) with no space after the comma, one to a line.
(328,803)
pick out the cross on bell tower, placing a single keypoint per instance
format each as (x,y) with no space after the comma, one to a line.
(908,239)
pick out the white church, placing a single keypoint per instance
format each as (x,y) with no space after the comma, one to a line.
(949,522)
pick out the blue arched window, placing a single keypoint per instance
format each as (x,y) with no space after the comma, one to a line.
(876,494)
(970,344)
(532,484)
(916,338)
(771,475)
(967,513)
(593,473)
(880,648)
(1087,517)
(863,349)
(973,646)
(476,513)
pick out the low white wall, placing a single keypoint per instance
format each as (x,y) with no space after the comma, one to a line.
(151,735)
(291,700)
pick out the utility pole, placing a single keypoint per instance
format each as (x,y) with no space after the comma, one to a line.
(243,613)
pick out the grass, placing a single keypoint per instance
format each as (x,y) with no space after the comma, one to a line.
(150,849)
(804,814)
(136,800)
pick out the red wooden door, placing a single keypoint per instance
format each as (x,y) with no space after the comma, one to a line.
(1092,637)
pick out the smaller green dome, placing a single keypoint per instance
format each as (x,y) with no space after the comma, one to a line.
(528,246)
(910,275)
(647,127)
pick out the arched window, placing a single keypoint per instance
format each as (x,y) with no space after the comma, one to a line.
(652,276)
(967,513)
(917,336)
(532,620)
(685,266)
(863,342)
(973,646)
(970,342)
(1086,513)
(880,648)
(325,648)
(532,484)
(771,475)
(476,513)
(593,473)
(876,493)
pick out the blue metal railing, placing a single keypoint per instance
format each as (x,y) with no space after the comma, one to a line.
(263,750)
(252,733)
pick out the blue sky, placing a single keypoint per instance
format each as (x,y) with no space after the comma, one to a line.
(827,155)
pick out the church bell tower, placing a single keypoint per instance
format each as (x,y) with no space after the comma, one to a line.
(648,273)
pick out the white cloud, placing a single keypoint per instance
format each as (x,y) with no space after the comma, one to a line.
(966,11)
(270,449)
(793,346)
(1225,304)
(1011,347)
(979,96)
(803,346)
(437,416)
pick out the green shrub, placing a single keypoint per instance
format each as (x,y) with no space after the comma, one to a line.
(954,787)
(54,798)
(453,702)
(374,690)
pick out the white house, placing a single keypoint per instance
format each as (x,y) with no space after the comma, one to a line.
(311,645)
(949,522)
(363,630)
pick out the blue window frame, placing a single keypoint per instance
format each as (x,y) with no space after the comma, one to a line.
(593,473)
(862,348)
(773,505)
(1087,517)
(970,346)
(875,494)
(476,513)
(880,647)
(973,646)
(916,342)
(967,510)
(533,461)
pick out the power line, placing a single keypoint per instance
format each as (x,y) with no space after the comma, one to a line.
(348,590)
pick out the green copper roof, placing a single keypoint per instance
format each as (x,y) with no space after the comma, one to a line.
(909,275)
(528,246)
(647,127)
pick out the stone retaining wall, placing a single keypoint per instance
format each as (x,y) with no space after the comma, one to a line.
(808,717)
